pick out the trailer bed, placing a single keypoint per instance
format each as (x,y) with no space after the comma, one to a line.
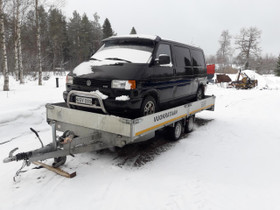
(132,128)
(88,131)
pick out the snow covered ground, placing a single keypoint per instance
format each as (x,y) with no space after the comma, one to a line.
(229,163)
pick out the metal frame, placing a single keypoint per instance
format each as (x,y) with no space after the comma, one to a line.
(89,95)
(93,131)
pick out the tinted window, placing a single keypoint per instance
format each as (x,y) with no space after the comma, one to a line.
(163,49)
(197,58)
(141,44)
(183,57)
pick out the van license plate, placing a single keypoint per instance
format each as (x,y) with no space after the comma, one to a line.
(82,100)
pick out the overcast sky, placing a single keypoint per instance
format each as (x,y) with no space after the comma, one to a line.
(196,22)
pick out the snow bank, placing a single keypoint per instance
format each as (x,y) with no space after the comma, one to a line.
(24,105)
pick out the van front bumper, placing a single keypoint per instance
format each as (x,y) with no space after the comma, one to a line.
(111,104)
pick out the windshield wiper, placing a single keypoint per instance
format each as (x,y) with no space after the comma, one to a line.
(118,59)
(94,59)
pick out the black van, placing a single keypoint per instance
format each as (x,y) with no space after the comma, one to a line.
(136,73)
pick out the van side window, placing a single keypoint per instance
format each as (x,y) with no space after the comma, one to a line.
(197,58)
(183,56)
(164,49)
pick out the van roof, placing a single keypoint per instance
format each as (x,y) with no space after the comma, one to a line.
(134,36)
(149,37)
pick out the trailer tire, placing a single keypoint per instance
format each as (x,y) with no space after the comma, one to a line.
(176,131)
(149,106)
(189,124)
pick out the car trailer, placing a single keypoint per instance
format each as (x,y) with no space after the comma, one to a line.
(85,131)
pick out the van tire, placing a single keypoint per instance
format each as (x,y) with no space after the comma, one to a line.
(200,93)
(149,106)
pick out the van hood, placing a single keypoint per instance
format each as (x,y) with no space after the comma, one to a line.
(111,70)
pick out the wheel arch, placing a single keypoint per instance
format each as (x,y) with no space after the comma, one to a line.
(152,93)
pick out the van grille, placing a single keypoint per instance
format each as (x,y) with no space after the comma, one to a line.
(94,83)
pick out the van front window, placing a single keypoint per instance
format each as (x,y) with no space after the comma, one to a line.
(127,51)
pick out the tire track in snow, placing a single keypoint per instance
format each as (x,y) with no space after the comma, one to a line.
(18,125)
(139,154)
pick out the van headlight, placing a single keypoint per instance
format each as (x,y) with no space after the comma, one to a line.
(124,84)
(69,80)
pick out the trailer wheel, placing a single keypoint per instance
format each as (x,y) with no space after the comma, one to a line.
(200,93)
(149,106)
(189,124)
(176,131)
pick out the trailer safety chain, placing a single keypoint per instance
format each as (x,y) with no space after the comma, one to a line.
(24,163)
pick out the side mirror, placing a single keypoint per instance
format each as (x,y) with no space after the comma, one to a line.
(163,59)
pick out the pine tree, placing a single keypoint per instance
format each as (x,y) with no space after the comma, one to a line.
(277,70)
(107,29)
(133,31)
(86,37)
(97,32)
(74,34)
(58,37)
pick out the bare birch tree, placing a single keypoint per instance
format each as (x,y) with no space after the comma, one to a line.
(20,7)
(15,14)
(38,39)
(4,50)
(224,53)
(248,44)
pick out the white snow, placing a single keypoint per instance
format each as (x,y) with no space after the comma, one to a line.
(107,56)
(230,163)
(141,36)
(129,54)
(101,95)
(86,66)
(122,98)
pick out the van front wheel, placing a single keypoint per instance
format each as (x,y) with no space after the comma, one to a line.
(149,106)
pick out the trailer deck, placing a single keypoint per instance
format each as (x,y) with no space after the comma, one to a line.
(88,131)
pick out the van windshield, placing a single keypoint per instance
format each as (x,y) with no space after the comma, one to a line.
(129,51)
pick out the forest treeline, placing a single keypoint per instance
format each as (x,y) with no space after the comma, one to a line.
(35,39)
(64,43)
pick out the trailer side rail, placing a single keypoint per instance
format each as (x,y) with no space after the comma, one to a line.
(164,118)
(124,126)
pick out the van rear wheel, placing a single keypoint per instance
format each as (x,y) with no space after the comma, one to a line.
(149,106)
